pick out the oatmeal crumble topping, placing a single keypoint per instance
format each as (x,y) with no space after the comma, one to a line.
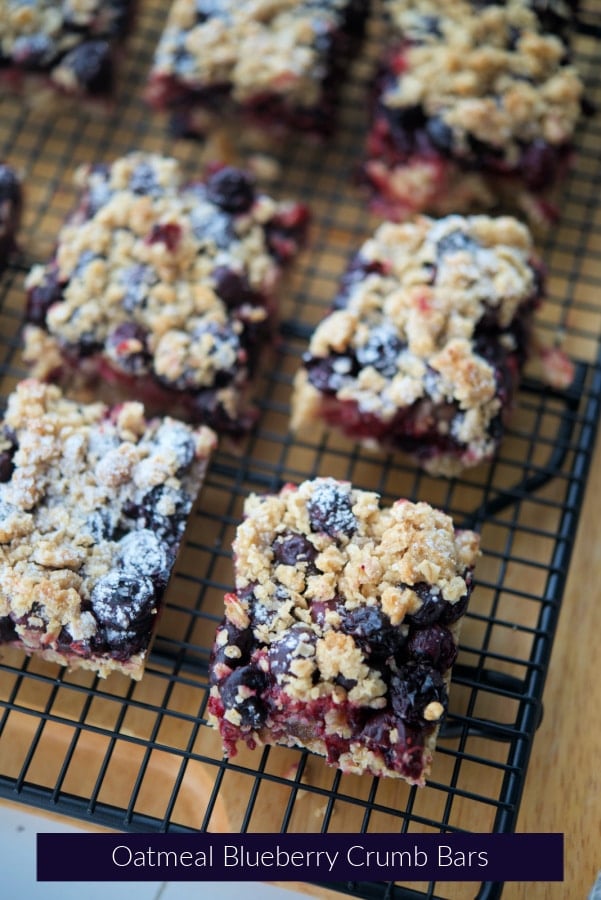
(71,45)
(327,642)
(163,280)
(415,326)
(93,503)
(257,47)
(490,73)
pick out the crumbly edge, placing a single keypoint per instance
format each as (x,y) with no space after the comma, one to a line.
(438,186)
(469,76)
(256,48)
(54,82)
(103,666)
(407,543)
(434,318)
(71,463)
(190,335)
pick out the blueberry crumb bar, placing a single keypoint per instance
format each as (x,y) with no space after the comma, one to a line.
(11,201)
(476,109)
(70,48)
(279,63)
(342,630)
(423,348)
(94,501)
(163,290)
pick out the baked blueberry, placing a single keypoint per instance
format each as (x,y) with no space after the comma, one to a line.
(324,654)
(115,566)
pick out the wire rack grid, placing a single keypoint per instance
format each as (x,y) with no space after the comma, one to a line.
(139,756)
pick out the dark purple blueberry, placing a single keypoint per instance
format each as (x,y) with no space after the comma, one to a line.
(483,153)
(208,408)
(376,730)
(126,346)
(100,525)
(451,612)
(429,25)
(260,614)
(413,688)
(7,630)
(236,637)
(6,466)
(286,649)
(167,233)
(137,280)
(143,180)
(123,602)
(404,123)
(357,271)
(381,351)
(233,287)
(372,632)
(347,683)
(292,549)
(211,9)
(212,225)
(455,242)
(328,374)
(286,232)
(432,604)
(330,509)
(88,344)
(441,135)
(319,609)
(251,708)
(141,553)
(434,645)
(42,296)
(513,36)
(538,164)
(166,527)
(225,343)
(6,456)
(231,189)
(92,67)
(33,51)
(176,438)
(10,187)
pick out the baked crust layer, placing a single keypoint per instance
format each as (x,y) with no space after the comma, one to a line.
(342,630)
(94,501)
(424,345)
(163,289)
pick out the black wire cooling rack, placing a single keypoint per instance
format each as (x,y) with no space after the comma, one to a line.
(138,756)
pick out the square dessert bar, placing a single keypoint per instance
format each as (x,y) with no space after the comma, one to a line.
(424,346)
(343,628)
(94,501)
(11,201)
(163,289)
(278,62)
(69,47)
(475,109)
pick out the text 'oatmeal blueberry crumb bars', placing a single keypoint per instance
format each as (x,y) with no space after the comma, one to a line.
(278,63)
(70,48)
(423,349)
(11,202)
(343,627)
(94,501)
(476,107)
(163,289)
